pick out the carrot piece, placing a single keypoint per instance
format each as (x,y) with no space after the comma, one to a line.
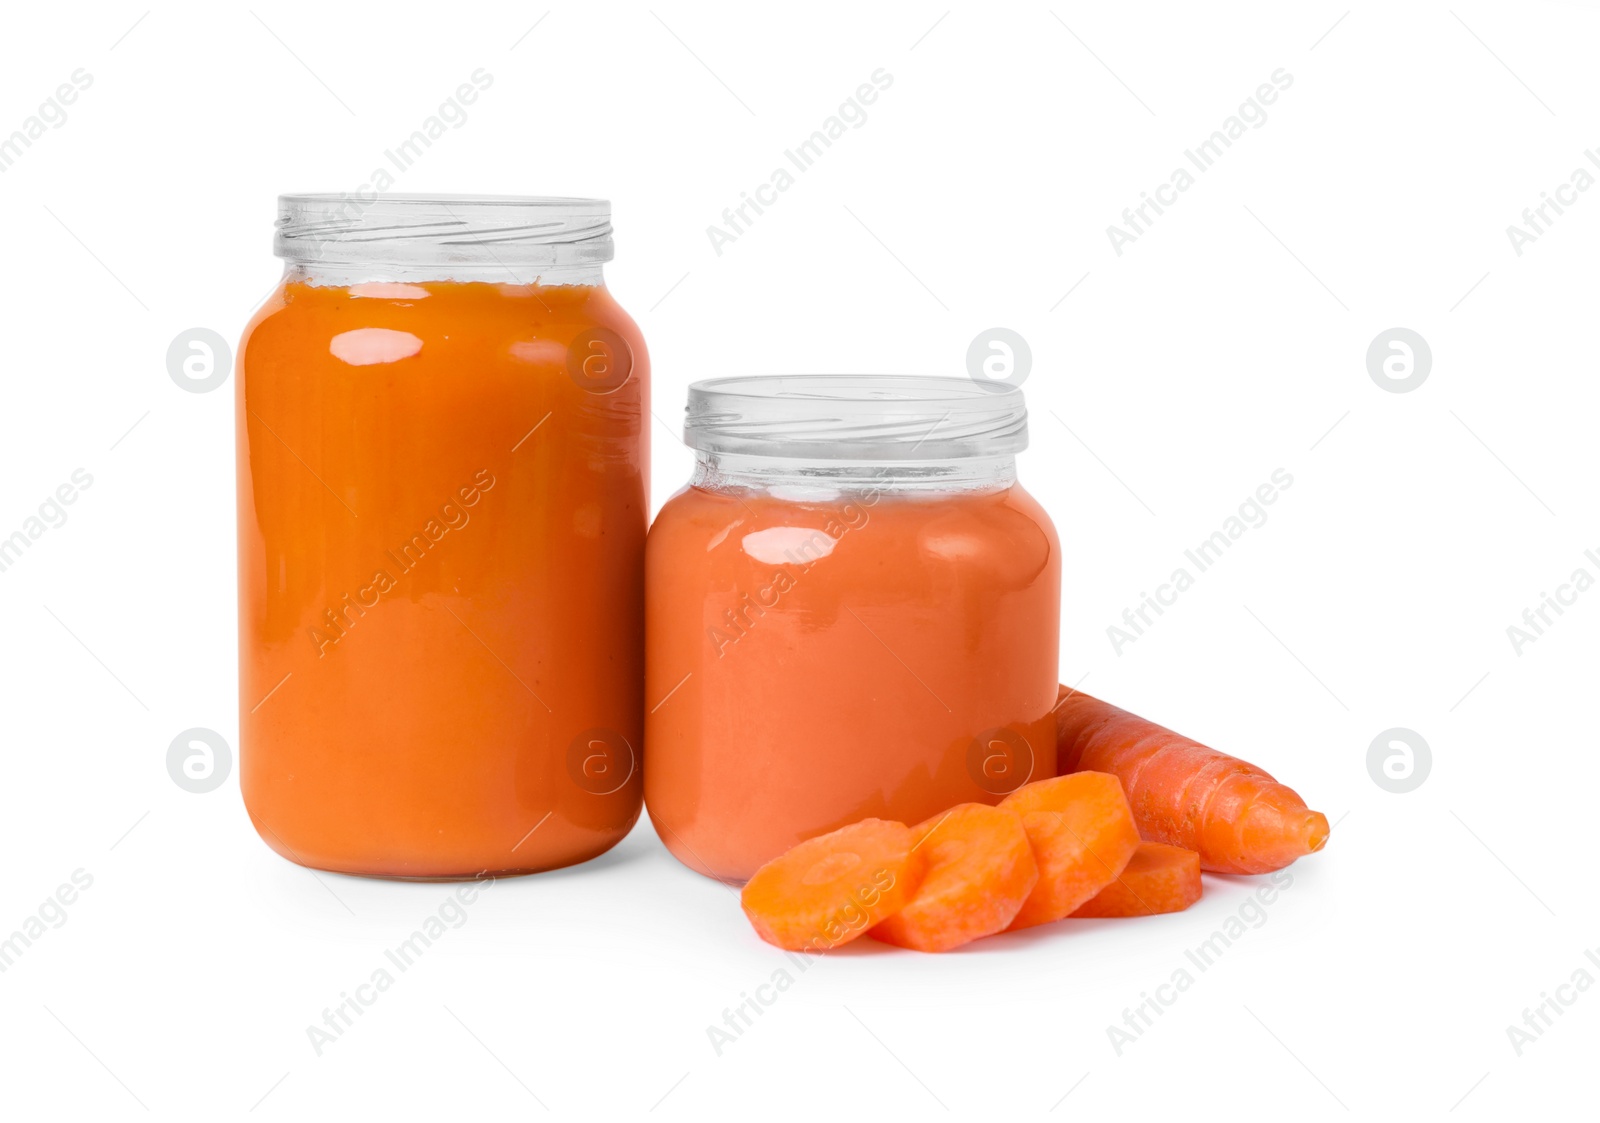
(829,890)
(1082,834)
(1158,878)
(1233,814)
(980,870)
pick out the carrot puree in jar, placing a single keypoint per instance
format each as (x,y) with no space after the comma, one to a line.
(441,523)
(830,640)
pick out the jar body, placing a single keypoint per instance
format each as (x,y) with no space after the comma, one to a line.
(441,532)
(815,659)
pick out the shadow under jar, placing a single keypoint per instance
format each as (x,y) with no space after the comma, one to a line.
(442,478)
(852,610)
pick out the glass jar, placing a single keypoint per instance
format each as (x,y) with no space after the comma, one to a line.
(852,610)
(442,483)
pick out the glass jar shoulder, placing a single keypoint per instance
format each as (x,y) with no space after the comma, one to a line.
(693,520)
(517,317)
(1003,532)
(1040,536)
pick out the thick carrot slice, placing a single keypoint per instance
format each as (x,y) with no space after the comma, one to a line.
(1233,814)
(828,890)
(1158,878)
(980,870)
(1082,834)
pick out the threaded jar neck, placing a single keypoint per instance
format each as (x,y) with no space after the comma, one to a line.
(803,480)
(847,432)
(443,233)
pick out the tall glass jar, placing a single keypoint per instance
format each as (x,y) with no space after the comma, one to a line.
(442,477)
(852,611)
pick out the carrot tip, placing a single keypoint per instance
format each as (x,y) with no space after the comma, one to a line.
(1316,831)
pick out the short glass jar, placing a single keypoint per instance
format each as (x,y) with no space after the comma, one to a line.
(442,484)
(852,611)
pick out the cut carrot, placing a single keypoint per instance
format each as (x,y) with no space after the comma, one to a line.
(1158,878)
(1082,834)
(1233,814)
(828,890)
(980,870)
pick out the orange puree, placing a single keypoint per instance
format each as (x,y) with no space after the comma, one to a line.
(441,576)
(815,662)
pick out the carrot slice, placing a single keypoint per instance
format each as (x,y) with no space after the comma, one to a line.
(1082,833)
(1233,814)
(1157,879)
(980,870)
(829,890)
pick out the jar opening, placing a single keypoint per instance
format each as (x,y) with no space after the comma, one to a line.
(410,230)
(862,418)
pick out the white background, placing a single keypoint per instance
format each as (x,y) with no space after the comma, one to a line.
(1226,342)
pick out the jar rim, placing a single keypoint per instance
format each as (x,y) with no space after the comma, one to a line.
(414,229)
(862,417)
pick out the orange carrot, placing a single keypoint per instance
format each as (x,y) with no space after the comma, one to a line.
(1157,879)
(1082,834)
(1234,815)
(980,870)
(828,890)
